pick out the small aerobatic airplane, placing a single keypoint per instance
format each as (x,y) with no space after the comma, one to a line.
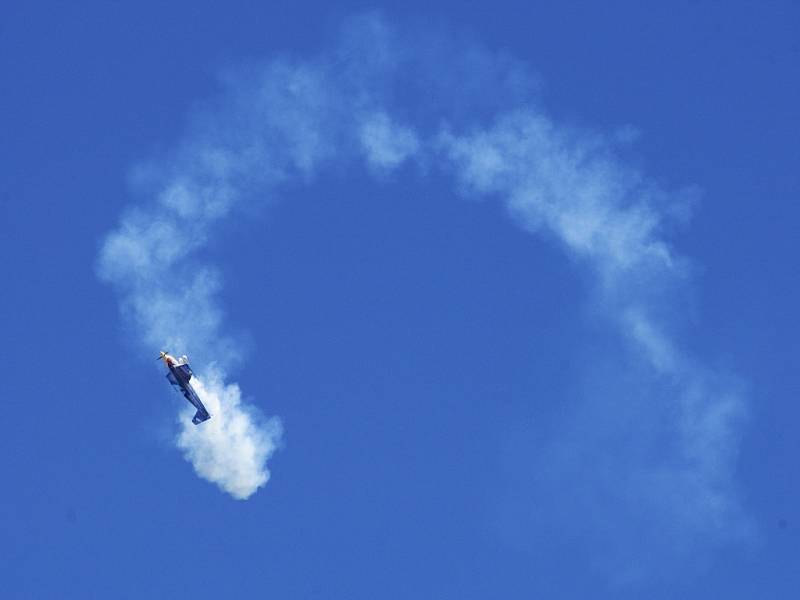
(179,376)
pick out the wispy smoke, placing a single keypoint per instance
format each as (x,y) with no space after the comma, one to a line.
(387,98)
(232,448)
(674,475)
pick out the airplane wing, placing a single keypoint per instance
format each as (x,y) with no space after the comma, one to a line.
(185,370)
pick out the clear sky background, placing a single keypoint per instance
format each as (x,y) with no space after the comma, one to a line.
(460,412)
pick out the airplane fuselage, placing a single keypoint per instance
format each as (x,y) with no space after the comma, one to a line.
(180,374)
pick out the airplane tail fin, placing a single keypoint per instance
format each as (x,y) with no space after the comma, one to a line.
(200,416)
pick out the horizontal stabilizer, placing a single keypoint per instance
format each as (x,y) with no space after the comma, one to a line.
(200,416)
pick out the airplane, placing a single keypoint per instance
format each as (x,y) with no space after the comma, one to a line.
(179,375)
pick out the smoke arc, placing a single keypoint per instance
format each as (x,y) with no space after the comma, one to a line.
(386,98)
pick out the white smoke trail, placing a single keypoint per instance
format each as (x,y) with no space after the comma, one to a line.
(570,187)
(232,448)
(387,98)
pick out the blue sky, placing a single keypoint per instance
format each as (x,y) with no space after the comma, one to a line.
(515,282)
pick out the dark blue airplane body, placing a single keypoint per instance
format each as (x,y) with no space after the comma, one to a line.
(179,376)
